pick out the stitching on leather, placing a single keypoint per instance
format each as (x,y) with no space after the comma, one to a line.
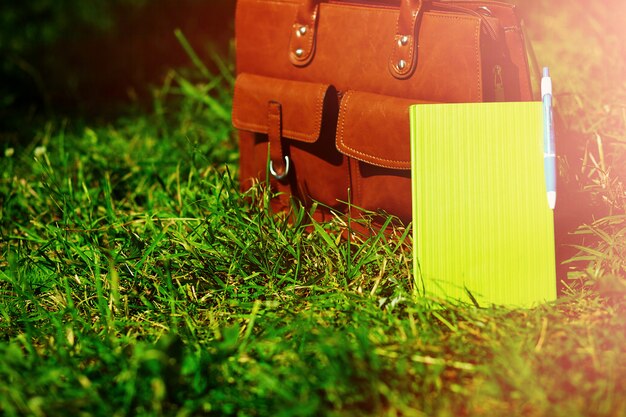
(277,1)
(343,116)
(237,122)
(312,29)
(478,63)
(321,95)
(234,117)
(413,41)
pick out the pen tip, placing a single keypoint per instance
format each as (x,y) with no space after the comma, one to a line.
(546,72)
(552,199)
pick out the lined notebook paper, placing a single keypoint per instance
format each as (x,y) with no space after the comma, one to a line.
(481,221)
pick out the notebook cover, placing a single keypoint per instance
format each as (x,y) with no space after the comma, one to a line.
(481,221)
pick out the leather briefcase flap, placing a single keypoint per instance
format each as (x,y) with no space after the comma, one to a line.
(302,105)
(375,129)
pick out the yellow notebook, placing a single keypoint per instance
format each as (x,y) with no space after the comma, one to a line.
(481,220)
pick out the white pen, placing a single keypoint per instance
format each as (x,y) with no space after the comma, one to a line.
(549,154)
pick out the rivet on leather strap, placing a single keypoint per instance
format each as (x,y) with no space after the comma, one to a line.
(302,39)
(403,59)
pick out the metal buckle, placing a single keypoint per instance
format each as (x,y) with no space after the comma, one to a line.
(284,174)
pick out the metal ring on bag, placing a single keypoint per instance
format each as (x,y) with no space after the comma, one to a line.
(484,10)
(284,174)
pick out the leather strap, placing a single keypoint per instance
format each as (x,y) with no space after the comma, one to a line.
(403,57)
(278,165)
(302,41)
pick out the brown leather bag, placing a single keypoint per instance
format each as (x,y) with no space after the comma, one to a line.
(323,89)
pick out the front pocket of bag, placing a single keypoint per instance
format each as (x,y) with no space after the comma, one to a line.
(309,119)
(374,131)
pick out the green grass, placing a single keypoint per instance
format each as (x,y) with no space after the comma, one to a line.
(137,280)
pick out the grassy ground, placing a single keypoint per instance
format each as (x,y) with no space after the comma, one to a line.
(135,279)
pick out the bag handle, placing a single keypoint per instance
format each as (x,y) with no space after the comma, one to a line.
(403,57)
